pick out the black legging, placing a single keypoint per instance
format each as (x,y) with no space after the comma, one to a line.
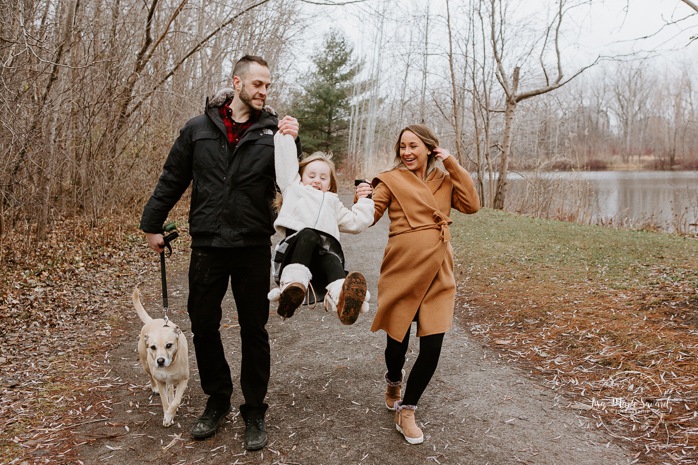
(308,251)
(423,369)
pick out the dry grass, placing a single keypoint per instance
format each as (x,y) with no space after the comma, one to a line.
(608,317)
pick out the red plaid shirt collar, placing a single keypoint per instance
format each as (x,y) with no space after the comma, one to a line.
(234,129)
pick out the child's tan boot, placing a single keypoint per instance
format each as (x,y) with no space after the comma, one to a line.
(293,285)
(348,297)
(405,423)
(393,391)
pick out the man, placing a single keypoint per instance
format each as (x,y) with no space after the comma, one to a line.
(227,154)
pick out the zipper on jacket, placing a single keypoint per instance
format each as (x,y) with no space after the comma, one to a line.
(319,211)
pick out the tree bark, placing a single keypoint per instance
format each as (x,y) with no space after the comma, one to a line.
(454,88)
(509,111)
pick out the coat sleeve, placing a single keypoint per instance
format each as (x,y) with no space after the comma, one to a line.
(358,218)
(174,180)
(285,161)
(464,197)
(381,199)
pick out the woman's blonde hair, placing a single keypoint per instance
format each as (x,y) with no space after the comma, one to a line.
(315,156)
(426,135)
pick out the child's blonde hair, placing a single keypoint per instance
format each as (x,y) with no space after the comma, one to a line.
(315,156)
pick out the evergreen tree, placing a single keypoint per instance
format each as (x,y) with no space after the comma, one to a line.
(323,107)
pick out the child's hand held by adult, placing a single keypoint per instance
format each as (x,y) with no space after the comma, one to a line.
(289,125)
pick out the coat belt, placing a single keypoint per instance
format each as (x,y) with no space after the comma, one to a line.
(442,222)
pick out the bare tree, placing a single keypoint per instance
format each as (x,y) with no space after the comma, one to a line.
(454,87)
(510,81)
(631,92)
(93,91)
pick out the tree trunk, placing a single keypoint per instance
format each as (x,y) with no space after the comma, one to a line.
(454,88)
(509,110)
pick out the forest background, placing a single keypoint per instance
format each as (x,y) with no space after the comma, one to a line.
(94,91)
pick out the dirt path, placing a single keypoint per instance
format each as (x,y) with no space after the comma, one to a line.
(326,398)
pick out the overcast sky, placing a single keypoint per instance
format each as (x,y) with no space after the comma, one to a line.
(609,27)
(619,26)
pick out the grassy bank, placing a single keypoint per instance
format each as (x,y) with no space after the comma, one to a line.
(608,316)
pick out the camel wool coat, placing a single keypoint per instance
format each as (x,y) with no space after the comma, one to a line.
(416,276)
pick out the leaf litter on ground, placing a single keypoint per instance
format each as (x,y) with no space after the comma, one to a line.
(608,317)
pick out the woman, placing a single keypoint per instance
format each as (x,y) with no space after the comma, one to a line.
(418,197)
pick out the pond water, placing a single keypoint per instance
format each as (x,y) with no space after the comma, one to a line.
(665,199)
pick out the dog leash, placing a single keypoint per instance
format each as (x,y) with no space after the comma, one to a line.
(170,229)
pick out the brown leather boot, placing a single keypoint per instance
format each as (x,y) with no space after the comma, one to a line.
(351,298)
(348,297)
(290,299)
(405,423)
(393,391)
(293,286)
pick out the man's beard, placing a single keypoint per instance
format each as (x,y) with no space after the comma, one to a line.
(246,98)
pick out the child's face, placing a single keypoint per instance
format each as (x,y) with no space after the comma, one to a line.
(317,175)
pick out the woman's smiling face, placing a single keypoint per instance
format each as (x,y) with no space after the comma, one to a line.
(414,153)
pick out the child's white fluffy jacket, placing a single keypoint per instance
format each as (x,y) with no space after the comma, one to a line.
(306,207)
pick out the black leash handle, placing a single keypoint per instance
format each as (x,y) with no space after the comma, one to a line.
(172,234)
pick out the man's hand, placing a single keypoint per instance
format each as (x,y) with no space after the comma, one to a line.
(156,242)
(289,125)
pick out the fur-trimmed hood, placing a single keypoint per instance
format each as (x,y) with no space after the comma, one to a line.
(225,94)
(220,97)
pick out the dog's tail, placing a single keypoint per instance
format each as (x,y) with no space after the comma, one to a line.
(142,314)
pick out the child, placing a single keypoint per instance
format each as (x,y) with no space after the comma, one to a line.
(311,217)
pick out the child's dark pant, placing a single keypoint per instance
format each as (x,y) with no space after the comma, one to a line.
(307,252)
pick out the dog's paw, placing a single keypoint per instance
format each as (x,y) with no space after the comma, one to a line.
(168,420)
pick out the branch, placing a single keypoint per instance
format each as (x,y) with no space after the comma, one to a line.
(165,31)
(500,74)
(691,4)
(332,3)
(140,58)
(560,14)
(558,83)
(193,50)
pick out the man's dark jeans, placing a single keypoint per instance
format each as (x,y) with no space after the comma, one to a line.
(247,269)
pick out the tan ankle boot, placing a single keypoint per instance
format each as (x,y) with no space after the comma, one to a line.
(405,423)
(393,391)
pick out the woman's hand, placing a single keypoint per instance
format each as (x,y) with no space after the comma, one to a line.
(363,190)
(441,153)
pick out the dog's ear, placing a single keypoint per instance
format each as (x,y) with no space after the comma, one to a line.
(177,331)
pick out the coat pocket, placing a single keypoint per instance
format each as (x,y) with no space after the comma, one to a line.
(209,148)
